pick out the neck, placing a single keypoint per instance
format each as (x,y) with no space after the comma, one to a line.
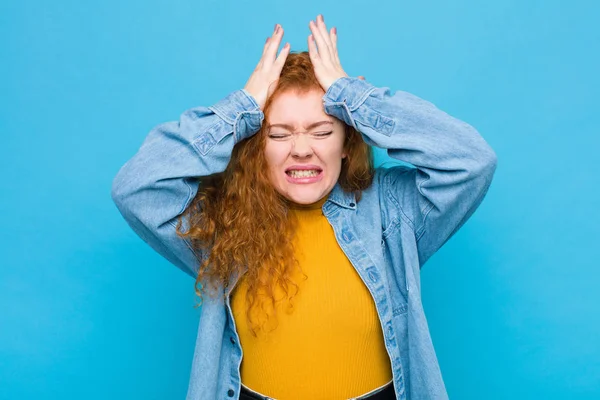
(313,206)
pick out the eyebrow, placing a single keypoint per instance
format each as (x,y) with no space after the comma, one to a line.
(309,127)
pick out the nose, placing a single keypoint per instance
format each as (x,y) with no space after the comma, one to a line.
(301,146)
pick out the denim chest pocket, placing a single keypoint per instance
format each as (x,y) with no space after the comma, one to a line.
(398,292)
(399,308)
(399,302)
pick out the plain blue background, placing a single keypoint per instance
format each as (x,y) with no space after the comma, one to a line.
(87,310)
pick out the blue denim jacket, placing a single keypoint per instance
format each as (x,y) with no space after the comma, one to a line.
(402,219)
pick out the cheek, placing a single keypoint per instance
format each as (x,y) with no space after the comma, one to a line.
(333,154)
(271,155)
(275,157)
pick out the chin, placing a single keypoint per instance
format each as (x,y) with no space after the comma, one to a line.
(307,198)
(304,201)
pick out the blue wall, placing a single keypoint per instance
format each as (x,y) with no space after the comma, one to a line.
(87,310)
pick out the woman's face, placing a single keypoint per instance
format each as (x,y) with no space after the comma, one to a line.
(304,147)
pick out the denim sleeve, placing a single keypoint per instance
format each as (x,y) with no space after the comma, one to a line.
(158,183)
(454,164)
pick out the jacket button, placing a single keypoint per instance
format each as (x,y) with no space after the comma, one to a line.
(390,332)
(346,236)
(231,340)
(373,276)
(230,393)
(352,204)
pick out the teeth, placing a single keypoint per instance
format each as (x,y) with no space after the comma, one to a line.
(303,174)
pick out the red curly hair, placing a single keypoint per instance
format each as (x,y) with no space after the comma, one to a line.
(241,221)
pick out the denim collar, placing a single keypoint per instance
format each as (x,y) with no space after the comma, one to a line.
(342,198)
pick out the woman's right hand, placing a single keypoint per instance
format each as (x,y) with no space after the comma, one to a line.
(264,79)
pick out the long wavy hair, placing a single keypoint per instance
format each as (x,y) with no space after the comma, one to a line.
(241,223)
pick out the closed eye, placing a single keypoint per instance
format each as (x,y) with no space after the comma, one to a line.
(323,134)
(278,136)
(285,136)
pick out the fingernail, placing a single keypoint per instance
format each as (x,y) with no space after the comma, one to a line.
(335,30)
(267,39)
(275,28)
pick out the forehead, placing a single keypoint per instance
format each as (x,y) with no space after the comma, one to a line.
(298,109)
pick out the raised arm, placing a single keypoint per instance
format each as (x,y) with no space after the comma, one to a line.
(454,164)
(158,183)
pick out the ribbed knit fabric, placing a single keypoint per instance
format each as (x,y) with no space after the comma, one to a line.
(330,346)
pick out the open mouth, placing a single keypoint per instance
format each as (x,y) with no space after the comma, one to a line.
(304,173)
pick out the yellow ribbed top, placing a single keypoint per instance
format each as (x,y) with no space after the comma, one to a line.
(331,345)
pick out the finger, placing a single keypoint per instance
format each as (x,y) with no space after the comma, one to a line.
(273,45)
(323,29)
(266,45)
(282,57)
(312,50)
(265,48)
(321,44)
(333,36)
(362,78)
(321,40)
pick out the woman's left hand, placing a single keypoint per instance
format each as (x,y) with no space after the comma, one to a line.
(325,61)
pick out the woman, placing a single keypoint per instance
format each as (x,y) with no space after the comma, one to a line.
(306,258)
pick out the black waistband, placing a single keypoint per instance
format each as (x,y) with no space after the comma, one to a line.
(387,393)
